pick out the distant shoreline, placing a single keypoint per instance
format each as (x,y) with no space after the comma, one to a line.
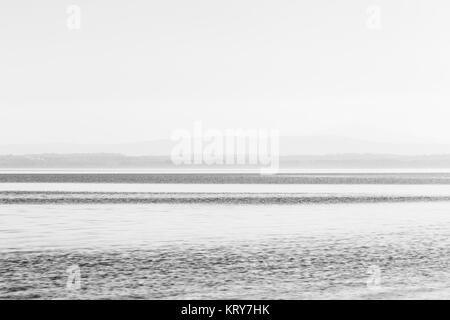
(106,161)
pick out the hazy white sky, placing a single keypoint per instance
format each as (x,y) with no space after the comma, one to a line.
(137,70)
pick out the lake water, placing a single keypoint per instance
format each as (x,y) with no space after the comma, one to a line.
(359,189)
(225,250)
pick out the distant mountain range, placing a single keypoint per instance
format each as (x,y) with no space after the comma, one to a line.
(289,146)
(295,152)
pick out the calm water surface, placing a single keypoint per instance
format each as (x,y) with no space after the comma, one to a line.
(342,189)
(208,251)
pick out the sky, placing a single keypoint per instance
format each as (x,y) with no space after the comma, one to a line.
(138,70)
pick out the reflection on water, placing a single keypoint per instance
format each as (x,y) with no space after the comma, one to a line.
(366,189)
(225,251)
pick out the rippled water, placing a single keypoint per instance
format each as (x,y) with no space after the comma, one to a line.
(208,251)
